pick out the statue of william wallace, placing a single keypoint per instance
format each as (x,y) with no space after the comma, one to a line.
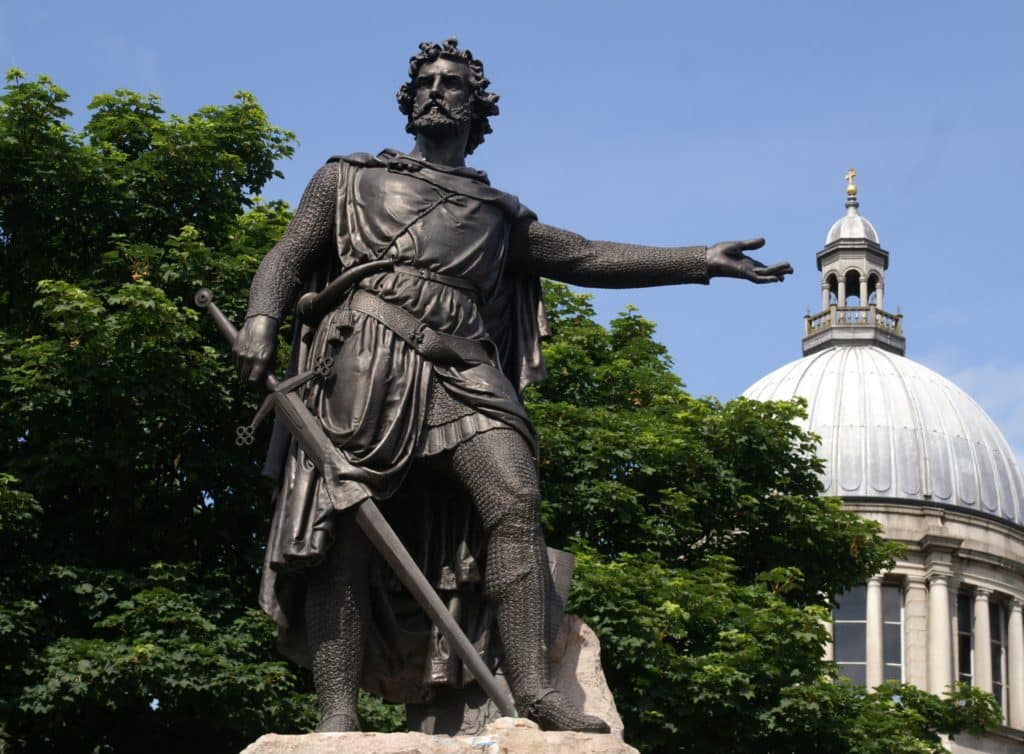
(429,334)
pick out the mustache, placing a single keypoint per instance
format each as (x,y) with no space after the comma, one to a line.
(429,105)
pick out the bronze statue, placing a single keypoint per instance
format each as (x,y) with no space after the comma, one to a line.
(422,346)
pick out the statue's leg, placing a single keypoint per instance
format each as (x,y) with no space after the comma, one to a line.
(337,606)
(500,474)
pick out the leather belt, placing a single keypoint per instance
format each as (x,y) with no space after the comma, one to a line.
(438,347)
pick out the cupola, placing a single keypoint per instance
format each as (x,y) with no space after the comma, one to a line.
(853,266)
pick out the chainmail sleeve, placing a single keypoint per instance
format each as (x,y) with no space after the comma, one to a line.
(279,278)
(563,255)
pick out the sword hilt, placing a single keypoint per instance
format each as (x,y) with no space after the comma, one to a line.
(204,300)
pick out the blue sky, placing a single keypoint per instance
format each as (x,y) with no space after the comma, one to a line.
(662,123)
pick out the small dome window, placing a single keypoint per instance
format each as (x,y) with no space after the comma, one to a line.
(873,289)
(852,289)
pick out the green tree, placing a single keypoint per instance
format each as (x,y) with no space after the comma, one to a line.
(133,527)
(127,616)
(707,559)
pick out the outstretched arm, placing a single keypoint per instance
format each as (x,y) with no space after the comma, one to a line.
(278,279)
(563,255)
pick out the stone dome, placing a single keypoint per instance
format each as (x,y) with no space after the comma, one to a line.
(852,226)
(892,429)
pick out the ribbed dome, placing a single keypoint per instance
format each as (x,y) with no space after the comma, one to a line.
(852,226)
(893,429)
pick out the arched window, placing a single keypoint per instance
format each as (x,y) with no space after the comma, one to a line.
(872,289)
(852,289)
(833,290)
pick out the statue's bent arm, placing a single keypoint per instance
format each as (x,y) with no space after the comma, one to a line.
(280,276)
(563,255)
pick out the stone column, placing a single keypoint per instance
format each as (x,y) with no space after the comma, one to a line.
(880,295)
(874,638)
(940,641)
(863,291)
(915,631)
(982,639)
(842,291)
(1015,664)
(824,296)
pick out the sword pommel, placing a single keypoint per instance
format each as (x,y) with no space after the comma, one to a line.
(203,298)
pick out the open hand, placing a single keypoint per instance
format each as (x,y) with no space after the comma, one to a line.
(254,348)
(726,259)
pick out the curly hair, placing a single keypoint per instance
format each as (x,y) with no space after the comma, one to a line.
(484,104)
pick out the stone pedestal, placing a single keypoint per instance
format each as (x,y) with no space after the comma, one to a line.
(514,736)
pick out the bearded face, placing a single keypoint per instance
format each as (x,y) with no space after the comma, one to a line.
(443,103)
(434,119)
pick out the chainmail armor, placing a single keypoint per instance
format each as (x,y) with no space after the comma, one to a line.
(337,598)
(567,256)
(277,282)
(500,474)
(442,408)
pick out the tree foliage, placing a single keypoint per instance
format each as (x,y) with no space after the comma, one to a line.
(127,617)
(707,559)
(133,527)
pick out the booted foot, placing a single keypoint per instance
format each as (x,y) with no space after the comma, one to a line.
(553,711)
(339,722)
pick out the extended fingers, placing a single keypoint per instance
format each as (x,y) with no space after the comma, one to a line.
(751,245)
(781,268)
(776,273)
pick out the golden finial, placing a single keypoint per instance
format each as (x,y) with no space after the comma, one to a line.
(851,189)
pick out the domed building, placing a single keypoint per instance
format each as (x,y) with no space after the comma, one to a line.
(906,447)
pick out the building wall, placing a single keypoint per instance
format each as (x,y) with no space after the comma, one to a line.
(956,565)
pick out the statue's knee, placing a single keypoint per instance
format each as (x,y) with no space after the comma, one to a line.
(517,513)
(502,575)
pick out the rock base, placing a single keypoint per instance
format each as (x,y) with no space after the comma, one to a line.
(575,669)
(504,736)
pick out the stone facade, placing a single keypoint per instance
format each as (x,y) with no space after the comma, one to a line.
(958,560)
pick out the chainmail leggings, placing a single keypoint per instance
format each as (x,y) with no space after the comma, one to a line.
(499,473)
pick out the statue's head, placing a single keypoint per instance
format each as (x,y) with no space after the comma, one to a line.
(430,114)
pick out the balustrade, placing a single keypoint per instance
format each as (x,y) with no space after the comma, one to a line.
(854,316)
